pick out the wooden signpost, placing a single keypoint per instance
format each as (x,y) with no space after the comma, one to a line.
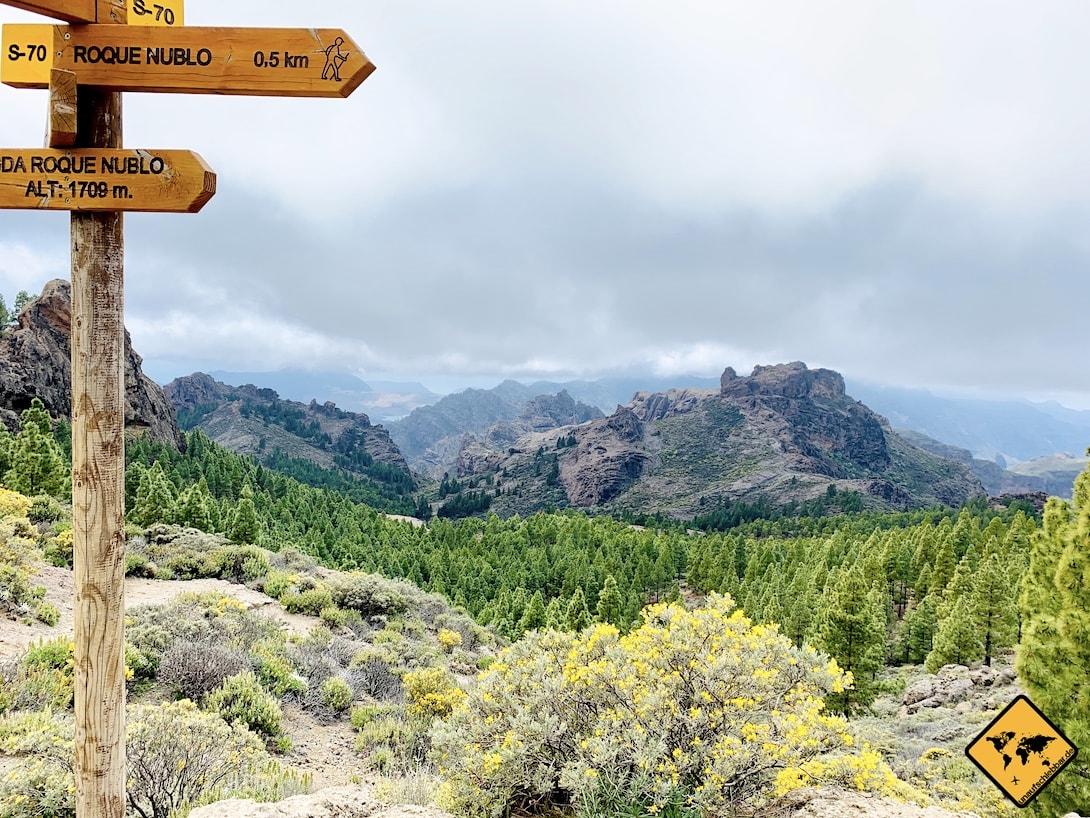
(75,11)
(126,45)
(84,179)
(299,62)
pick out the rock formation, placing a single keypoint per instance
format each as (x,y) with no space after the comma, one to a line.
(255,421)
(784,433)
(36,362)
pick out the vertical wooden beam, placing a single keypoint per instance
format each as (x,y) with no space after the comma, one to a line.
(98,482)
(61,127)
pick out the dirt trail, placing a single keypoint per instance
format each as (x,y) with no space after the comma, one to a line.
(58,582)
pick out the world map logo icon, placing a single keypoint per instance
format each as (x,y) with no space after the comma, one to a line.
(1021,751)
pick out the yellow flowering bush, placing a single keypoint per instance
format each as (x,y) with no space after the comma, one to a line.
(700,709)
(13,504)
(431,691)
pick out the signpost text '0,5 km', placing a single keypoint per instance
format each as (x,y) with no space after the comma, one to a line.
(126,45)
(288,62)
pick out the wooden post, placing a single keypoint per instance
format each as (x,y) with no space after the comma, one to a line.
(98,481)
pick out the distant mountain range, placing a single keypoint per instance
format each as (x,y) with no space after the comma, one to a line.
(1011,446)
(784,434)
(1007,432)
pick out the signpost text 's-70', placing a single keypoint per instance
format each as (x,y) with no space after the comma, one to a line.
(140,12)
(289,62)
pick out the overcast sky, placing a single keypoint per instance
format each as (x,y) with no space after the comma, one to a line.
(896,190)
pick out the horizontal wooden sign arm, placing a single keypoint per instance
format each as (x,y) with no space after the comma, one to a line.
(105,179)
(74,11)
(302,62)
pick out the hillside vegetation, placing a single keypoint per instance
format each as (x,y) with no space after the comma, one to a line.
(760,667)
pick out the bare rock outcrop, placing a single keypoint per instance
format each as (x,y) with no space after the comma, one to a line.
(35,362)
(793,380)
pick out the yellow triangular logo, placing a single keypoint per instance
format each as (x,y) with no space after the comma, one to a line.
(1021,751)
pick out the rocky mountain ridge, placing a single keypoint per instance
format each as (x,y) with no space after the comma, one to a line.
(36,361)
(785,433)
(432,437)
(257,422)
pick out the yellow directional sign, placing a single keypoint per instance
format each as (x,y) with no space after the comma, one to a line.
(27,52)
(287,62)
(104,179)
(74,11)
(1021,751)
(156,12)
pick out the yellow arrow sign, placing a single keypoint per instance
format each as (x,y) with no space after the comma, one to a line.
(102,179)
(286,62)
(75,11)
(156,12)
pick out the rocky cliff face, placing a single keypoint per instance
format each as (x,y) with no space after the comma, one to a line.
(255,421)
(35,361)
(784,433)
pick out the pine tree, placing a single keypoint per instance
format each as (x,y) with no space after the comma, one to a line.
(1054,656)
(155,498)
(852,629)
(994,606)
(7,444)
(194,507)
(577,615)
(245,527)
(918,631)
(533,616)
(610,604)
(957,640)
(37,464)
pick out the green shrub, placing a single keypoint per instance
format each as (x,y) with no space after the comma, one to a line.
(47,612)
(310,601)
(46,509)
(276,584)
(333,616)
(42,785)
(242,563)
(370,594)
(36,688)
(180,757)
(18,553)
(138,565)
(275,671)
(53,654)
(57,549)
(336,694)
(242,699)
